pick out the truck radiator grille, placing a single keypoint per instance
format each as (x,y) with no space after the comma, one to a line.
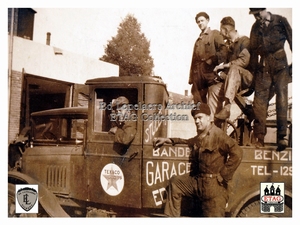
(56,177)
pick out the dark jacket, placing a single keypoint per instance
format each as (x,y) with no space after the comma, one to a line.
(215,153)
(238,53)
(266,40)
(211,46)
(125,133)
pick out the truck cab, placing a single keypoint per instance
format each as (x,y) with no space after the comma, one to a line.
(77,164)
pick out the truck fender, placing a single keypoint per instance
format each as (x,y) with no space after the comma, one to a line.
(46,198)
(235,209)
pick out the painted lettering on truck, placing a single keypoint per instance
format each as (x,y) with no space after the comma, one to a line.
(277,167)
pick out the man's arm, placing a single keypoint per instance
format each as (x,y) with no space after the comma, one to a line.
(235,154)
(126,134)
(192,68)
(221,49)
(288,31)
(243,58)
(253,48)
(160,141)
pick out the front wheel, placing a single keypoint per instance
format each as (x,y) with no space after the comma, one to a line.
(253,210)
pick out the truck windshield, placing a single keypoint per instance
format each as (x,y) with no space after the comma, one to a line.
(58,128)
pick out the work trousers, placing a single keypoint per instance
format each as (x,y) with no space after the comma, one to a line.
(268,82)
(203,77)
(212,195)
(237,79)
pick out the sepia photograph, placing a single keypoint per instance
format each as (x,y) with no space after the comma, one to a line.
(150,112)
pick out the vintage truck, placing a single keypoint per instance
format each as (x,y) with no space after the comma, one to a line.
(70,155)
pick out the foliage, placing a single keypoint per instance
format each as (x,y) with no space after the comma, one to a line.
(130,49)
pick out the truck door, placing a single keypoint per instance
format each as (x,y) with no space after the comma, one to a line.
(113,169)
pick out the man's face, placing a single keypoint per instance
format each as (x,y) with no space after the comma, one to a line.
(258,16)
(224,32)
(202,121)
(202,22)
(122,113)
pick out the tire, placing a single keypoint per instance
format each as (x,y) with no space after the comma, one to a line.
(253,210)
(12,205)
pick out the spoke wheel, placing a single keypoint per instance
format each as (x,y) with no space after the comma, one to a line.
(230,128)
(253,210)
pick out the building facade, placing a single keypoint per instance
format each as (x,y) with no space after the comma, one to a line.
(41,76)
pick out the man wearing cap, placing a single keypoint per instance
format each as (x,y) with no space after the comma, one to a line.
(271,71)
(214,159)
(209,51)
(234,71)
(123,123)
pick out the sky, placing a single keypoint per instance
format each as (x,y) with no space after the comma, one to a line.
(171,32)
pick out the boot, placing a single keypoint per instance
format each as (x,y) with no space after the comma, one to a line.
(260,141)
(224,113)
(282,143)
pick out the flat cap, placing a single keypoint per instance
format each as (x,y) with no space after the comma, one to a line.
(120,101)
(255,10)
(204,14)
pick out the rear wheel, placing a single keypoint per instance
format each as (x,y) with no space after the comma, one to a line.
(253,210)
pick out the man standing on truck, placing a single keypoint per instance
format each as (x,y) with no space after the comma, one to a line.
(123,124)
(271,71)
(214,158)
(209,51)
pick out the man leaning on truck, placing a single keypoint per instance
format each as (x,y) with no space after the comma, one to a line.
(123,127)
(214,158)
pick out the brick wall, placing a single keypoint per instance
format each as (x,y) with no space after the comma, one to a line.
(15,105)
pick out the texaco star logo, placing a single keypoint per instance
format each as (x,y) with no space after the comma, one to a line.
(112,179)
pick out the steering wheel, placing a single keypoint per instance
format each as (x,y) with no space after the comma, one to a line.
(47,134)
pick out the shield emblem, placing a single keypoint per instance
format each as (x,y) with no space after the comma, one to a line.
(27,198)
